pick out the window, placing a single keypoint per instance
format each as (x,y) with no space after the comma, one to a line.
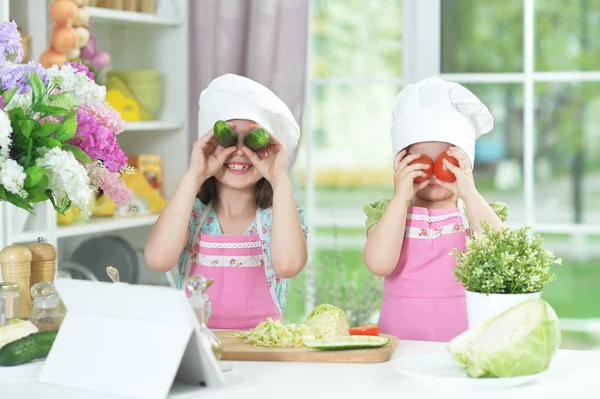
(536,65)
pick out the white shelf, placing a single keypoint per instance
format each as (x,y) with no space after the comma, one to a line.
(28,236)
(102,225)
(151,126)
(118,17)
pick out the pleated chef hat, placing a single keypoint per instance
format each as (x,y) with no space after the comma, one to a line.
(236,97)
(436,110)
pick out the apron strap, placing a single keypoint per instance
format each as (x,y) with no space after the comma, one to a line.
(188,266)
(268,266)
(465,220)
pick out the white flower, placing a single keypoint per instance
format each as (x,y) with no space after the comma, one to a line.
(67,178)
(20,101)
(12,176)
(83,88)
(5,131)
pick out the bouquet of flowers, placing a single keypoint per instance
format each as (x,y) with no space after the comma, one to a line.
(57,134)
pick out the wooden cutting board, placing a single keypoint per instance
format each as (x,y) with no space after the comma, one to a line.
(236,349)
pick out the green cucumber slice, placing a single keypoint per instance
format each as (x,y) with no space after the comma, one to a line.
(347,342)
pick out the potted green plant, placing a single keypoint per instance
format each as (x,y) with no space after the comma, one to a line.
(501,268)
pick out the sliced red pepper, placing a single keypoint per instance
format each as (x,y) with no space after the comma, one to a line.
(365,330)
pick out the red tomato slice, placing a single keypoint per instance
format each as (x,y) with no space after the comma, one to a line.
(365,330)
(427,161)
(441,171)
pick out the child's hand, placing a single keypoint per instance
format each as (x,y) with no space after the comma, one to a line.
(405,174)
(271,161)
(208,157)
(464,185)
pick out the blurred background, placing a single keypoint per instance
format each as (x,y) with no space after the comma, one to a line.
(536,64)
(339,65)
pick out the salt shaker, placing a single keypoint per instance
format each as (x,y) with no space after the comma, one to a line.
(15,262)
(201,304)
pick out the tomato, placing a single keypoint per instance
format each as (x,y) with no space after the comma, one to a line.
(441,171)
(365,330)
(427,161)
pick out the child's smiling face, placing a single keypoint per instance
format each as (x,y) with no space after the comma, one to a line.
(237,171)
(433,192)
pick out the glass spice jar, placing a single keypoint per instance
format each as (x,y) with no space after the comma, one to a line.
(46,314)
(10,302)
(201,304)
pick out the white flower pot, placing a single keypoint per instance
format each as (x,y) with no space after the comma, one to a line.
(482,307)
(19,219)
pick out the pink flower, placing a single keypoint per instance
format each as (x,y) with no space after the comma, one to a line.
(98,141)
(81,68)
(108,117)
(423,233)
(110,183)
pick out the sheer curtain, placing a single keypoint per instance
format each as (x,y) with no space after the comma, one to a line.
(264,40)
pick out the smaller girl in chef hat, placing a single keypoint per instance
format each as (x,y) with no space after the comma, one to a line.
(233,217)
(433,210)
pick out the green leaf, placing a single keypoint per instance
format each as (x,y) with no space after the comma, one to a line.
(45,130)
(56,207)
(26,126)
(49,142)
(54,111)
(15,115)
(64,100)
(67,130)
(8,95)
(40,192)
(34,176)
(38,90)
(29,153)
(80,155)
(19,202)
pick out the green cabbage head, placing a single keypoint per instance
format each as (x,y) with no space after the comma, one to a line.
(327,321)
(521,341)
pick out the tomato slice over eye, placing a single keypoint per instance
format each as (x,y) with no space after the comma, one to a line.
(365,330)
(427,161)
(441,171)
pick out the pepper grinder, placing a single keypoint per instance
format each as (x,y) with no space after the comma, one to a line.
(43,263)
(15,261)
(201,304)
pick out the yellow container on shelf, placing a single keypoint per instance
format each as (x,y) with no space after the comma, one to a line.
(144,85)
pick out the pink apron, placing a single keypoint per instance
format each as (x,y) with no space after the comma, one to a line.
(422,300)
(240,294)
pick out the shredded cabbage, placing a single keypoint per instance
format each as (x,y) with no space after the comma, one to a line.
(274,334)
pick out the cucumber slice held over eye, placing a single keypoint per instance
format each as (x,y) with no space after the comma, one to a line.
(257,139)
(29,348)
(224,134)
(347,342)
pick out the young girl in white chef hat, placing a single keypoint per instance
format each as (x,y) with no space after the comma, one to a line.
(433,210)
(233,217)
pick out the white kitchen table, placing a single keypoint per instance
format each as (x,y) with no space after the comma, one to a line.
(572,375)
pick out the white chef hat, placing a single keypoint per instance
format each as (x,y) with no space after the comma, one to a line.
(436,110)
(236,97)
